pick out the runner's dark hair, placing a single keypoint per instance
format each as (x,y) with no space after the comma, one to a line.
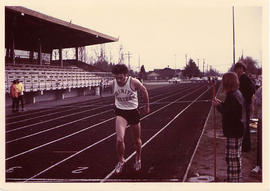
(120,69)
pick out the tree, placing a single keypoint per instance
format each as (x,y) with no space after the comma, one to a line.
(102,62)
(82,54)
(191,70)
(142,73)
(212,72)
(252,66)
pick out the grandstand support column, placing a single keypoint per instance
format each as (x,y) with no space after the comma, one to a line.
(31,56)
(40,52)
(97,91)
(60,56)
(7,52)
(30,97)
(60,94)
(12,50)
(77,54)
(82,91)
(51,54)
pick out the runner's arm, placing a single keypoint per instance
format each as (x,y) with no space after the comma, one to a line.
(140,87)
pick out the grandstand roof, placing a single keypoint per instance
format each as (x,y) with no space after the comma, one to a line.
(29,26)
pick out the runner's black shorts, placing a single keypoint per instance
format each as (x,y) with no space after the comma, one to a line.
(132,116)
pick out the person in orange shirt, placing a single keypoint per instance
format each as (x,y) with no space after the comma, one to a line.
(14,96)
(20,90)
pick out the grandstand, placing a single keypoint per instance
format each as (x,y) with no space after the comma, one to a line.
(37,35)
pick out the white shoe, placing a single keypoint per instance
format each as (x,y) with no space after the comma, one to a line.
(119,167)
(137,166)
(256,169)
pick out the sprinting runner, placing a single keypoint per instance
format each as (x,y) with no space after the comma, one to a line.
(125,89)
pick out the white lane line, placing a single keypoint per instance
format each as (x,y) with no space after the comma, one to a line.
(71,156)
(44,110)
(64,116)
(198,143)
(56,127)
(49,114)
(62,138)
(64,106)
(112,172)
(40,146)
(23,127)
(104,138)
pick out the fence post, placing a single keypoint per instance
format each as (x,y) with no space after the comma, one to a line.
(214,127)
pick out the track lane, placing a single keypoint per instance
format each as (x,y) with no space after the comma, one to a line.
(36,141)
(67,153)
(51,126)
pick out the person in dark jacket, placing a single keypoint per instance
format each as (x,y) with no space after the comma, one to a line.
(247,89)
(233,124)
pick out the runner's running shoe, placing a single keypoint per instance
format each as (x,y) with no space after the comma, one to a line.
(119,167)
(137,166)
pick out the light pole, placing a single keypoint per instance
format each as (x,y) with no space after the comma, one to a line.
(175,64)
(233,37)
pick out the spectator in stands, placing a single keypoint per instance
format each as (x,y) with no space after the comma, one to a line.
(20,90)
(125,89)
(14,96)
(233,124)
(247,89)
(258,106)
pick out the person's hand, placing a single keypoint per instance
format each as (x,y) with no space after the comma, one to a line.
(216,102)
(146,109)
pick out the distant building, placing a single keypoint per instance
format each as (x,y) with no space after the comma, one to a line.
(153,76)
(164,74)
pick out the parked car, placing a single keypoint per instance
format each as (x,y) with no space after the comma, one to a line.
(174,80)
(195,78)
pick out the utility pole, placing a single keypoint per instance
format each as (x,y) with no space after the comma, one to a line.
(233,37)
(203,67)
(174,64)
(121,55)
(186,59)
(110,58)
(129,55)
(198,63)
(139,63)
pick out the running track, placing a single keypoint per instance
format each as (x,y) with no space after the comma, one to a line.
(76,143)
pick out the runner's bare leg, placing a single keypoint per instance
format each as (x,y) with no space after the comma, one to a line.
(136,132)
(120,127)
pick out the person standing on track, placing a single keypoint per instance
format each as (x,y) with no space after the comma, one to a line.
(233,124)
(14,96)
(247,89)
(125,89)
(20,90)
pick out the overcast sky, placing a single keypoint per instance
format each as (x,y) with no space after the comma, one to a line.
(162,32)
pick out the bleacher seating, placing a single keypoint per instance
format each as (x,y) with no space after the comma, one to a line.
(45,77)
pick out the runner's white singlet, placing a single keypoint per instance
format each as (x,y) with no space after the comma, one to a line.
(125,97)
